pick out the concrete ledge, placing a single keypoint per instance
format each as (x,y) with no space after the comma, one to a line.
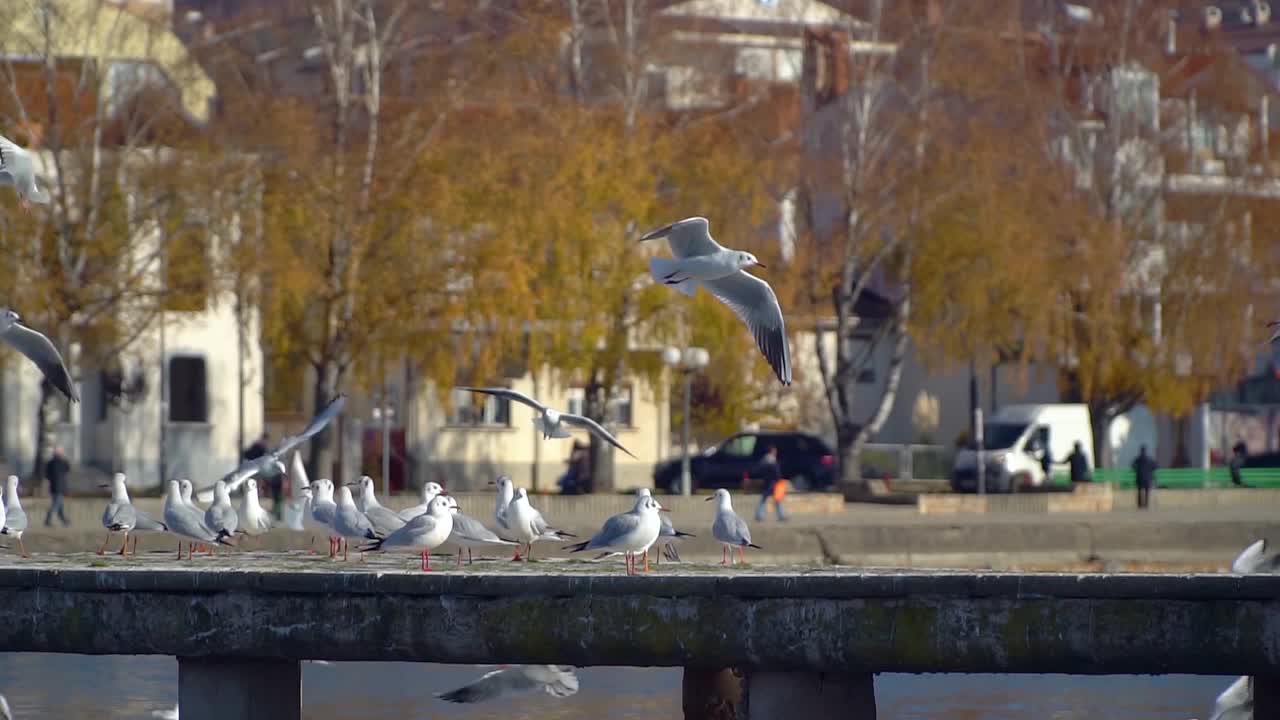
(830,621)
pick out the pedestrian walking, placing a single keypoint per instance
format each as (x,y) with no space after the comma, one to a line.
(1144,474)
(770,474)
(1238,454)
(1079,465)
(56,470)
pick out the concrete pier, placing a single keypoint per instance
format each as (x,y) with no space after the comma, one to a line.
(221,688)
(805,640)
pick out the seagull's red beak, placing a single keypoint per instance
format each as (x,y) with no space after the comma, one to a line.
(662,509)
(1273,323)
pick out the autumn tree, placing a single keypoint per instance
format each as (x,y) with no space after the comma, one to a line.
(106,124)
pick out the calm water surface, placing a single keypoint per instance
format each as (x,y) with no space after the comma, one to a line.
(61,687)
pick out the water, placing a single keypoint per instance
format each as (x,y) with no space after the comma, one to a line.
(49,687)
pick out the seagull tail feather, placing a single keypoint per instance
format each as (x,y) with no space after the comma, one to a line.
(577,547)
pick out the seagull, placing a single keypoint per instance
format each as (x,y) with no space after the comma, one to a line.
(166,714)
(186,522)
(16,170)
(349,522)
(470,533)
(1255,560)
(730,529)
(253,519)
(429,491)
(323,510)
(221,517)
(385,520)
(422,534)
(5,712)
(296,508)
(549,421)
(629,532)
(39,349)
(528,524)
(556,680)
(1236,702)
(122,516)
(668,531)
(270,461)
(15,518)
(506,490)
(699,260)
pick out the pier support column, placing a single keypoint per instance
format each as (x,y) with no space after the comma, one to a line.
(222,688)
(791,695)
(1266,698)
(712,694)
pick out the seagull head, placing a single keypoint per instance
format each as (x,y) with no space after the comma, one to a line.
(746,260)
(8,317)
(251,487)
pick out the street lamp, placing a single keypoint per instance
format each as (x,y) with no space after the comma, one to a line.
(691,360)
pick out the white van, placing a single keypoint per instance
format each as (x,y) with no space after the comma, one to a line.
(1014,441)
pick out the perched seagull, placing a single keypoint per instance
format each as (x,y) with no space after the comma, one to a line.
(699,260)
(668,531)
(506,490)
(221,517)
(470,533)
(16,170)
(184,489)
(550,422)
(429,491)
(420,535)
(39,349)
(629,532)
(296,508)
(555,680)
(323,510)
(271,462)
(122,516)
(253,519)
(528,525)
(349,522)
(385,520)
(730,529)
(1255,560)
(15,518)
(166,714)
(186,522)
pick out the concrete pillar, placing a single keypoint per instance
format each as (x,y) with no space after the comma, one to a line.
(791,695)
(1266,698)
(711,694)
(222,688)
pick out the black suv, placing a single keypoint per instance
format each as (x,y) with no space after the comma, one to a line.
(807,462)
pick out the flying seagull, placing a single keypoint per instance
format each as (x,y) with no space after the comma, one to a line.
(556,680)
(271,460)
(699,260)
(16,170)
(550,422)
(39,350)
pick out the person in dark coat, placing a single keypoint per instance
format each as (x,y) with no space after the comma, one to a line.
(770,473)
(56,470)
(1144,474)
(1238,455)
(1079,465)
(258,448)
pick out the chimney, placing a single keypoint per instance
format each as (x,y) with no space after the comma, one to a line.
(1212,17)
(1171,36)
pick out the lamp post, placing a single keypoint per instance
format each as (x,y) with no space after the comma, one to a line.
(687,362)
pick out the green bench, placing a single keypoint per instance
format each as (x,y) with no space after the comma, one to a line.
(1185,478)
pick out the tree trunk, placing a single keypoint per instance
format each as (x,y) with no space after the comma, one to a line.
(1100,415)
(44,432)
(321,453)
(849,454)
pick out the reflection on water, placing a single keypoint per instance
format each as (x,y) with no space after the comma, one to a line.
(49,687)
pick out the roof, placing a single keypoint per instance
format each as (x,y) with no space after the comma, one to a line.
(791,12)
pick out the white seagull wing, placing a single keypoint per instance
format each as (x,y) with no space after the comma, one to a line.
(755,303)
(518,678)
(508,394)
(318,423)
(594,428)
(40,350)
(1250,559)
(688,237)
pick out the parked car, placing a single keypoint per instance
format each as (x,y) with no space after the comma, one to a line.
(807,462)
(1015,440)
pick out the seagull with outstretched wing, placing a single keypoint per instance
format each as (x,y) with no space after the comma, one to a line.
(17,170)
(555,680)
(271,460)
(551,422)
(700,260)
(39,349)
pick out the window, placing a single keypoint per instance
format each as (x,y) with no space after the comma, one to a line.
(617,413)
(188,390)
(479,410)
(741,446)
